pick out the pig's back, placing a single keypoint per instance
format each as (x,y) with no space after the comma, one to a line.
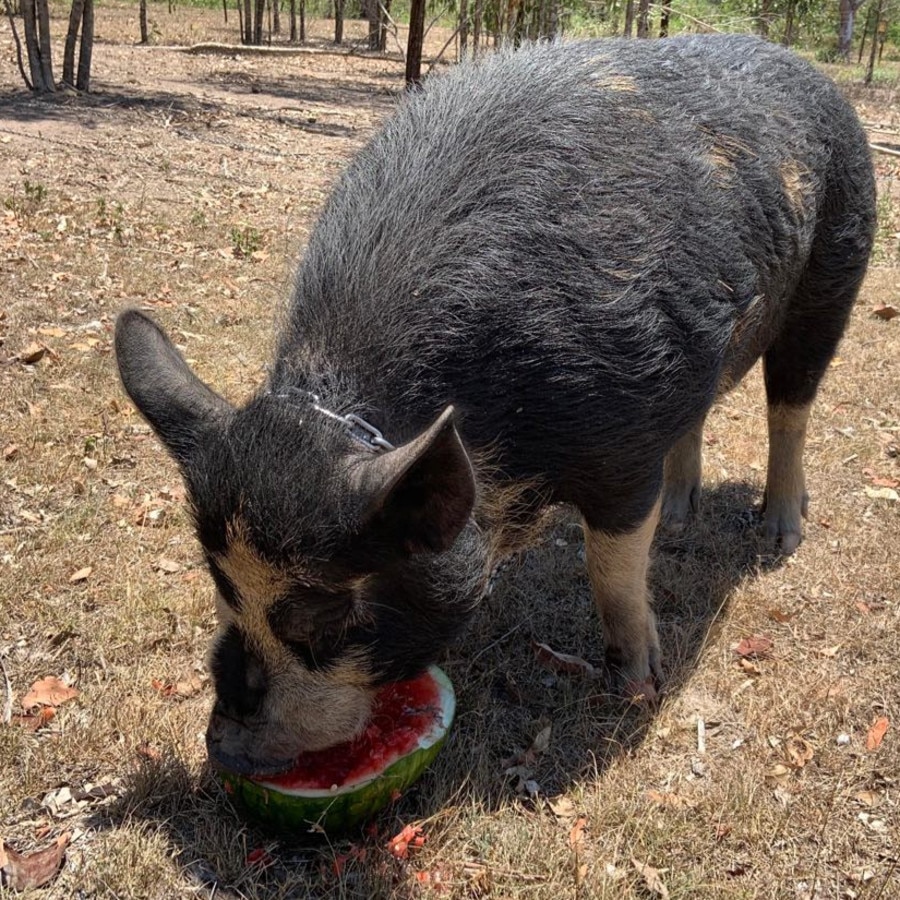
(569,221)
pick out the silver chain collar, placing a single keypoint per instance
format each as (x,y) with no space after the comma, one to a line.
(366,434)
(359,429)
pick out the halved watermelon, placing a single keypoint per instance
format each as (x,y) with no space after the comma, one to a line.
(342,786)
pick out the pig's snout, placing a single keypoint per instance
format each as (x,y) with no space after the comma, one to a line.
(230,744)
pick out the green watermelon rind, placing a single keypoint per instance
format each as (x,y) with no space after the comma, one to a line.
(348,806)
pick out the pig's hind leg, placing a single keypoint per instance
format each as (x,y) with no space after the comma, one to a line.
(795,363)
(617,566)
(681,488)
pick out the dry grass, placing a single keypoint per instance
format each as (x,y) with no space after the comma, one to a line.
(140,195)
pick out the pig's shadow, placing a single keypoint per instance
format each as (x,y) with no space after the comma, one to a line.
(505,698)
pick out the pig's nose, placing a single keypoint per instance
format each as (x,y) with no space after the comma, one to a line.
(222,724)
(215,731)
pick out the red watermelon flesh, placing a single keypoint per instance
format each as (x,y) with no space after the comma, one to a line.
(402,713)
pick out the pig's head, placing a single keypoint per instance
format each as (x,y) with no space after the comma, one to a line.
(337,569)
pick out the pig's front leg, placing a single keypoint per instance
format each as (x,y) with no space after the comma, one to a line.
(617,565)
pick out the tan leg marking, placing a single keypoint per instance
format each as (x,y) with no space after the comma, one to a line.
(786,499)
(683,472)
(617,566)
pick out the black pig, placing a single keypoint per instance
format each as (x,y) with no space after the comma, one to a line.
(534,281)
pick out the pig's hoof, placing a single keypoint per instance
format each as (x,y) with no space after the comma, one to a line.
(640,681)
(640,692)
(783,522)
(680,501)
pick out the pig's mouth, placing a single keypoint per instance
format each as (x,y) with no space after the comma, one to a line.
(243,764)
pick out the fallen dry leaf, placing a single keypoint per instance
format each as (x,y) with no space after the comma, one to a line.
(652,878)
(799,751)
(81,575)
(528,757)
(876,733)
(750,667)
(776,615)
(148,751)
(576,834)
(32,354)
(869,798)
(562,662)
(779,772)
(21,871)
(33,722)
(167,566)
(562,807)
(759,646)
(179,690)
(49,691)
(886,312)
(54,332)
(667,798)
(10,452)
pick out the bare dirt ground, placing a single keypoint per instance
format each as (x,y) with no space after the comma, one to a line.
(186,185)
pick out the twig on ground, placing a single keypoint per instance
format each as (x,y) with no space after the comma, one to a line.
(8,703)
(889,150)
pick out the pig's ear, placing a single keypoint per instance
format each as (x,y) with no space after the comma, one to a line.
(178,405)
(419,496)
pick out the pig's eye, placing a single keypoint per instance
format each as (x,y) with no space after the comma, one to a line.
(310,616)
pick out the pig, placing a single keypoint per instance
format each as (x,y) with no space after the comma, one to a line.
(527,290)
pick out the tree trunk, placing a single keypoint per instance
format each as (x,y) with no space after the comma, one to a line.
(247,33)
(664,21)
(463,28)
(416,40)
(32,47)
(258,22)
(339,21)
(862,43)
(86,52)
(788,37)
(43,13)
(292,10)
(643,22)
(476,27)
(848,10)
(372,13)
(518,25)
(276,16)
(385,14)
(870,69)
(76,13)
(629,18)
(302,20)
(145,34)
(224,9)
(762,20)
